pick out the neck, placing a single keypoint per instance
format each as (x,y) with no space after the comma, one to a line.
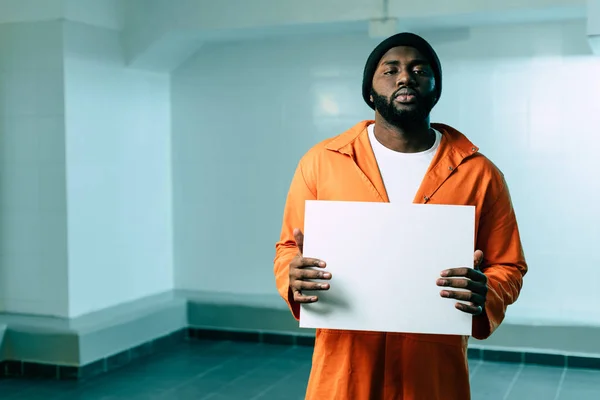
(405,139)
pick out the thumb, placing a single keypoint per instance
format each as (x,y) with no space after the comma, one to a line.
(477,259)
(299,238)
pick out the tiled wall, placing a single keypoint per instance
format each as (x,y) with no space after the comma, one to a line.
(529,97)
(119,176)
(31,10)
(85,181)
(245,112)
(33,247)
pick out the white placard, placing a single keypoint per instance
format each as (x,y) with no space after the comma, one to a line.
(385,259)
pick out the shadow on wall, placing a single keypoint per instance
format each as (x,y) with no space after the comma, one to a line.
(2,349)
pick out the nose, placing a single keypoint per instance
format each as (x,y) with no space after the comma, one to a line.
(405,78)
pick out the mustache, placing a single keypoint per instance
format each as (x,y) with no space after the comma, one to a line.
(405,90)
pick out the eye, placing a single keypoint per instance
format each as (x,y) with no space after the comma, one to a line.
(390,72)
(422,72)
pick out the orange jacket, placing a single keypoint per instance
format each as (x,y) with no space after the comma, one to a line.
(351,365)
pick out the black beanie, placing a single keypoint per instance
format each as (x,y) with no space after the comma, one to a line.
(400,39)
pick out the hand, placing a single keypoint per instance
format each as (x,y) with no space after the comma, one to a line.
(301,273)
(475,283)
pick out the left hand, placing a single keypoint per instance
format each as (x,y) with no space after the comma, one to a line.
(475,285)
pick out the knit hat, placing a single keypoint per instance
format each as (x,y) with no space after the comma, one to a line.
(400,39)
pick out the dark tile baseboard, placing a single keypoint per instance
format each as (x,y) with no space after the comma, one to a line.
(553,360)
(24,369)
(519,357)
(260,337)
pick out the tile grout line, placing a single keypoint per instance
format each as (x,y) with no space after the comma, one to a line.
(99,380)
(560,382)
(261,394)
(514,380)
(211,395)
(480,362)
(203,373)
(267,390)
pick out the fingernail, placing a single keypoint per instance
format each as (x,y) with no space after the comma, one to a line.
(313,299)
(322,264)
(444,273)
(445,294)
(327,275)
(324,286)
(441,282)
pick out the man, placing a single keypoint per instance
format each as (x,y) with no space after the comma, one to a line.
(401,157)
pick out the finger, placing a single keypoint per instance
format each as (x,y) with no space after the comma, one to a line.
(300,298)
(452,272)
(469,309)
(475,298)
(453,282)
(310,262)
(477,259)
(308,274)
(300,287)
(304,286)
(469,273)
(299,238)
(462,283)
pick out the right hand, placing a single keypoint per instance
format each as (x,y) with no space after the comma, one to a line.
(301,276)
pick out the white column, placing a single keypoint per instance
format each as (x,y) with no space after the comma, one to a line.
(33,212)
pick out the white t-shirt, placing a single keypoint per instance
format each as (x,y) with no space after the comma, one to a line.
(402,173)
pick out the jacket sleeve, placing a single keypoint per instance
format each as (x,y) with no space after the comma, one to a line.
(504,261)
(286,249)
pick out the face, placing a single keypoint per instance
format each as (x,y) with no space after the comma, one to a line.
(403,87)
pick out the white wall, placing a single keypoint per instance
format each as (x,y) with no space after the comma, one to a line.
(529,97)
(101,13)
(219,20)
(243,114)
(31,10)
(118,175)
(33,247)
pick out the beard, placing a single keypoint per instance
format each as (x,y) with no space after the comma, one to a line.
(404,118)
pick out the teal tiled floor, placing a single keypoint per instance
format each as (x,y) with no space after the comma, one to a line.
(212,370)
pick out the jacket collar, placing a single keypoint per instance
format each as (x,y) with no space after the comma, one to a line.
(357,136)
(454,149)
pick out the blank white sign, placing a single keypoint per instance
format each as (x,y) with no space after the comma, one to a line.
(385,259)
